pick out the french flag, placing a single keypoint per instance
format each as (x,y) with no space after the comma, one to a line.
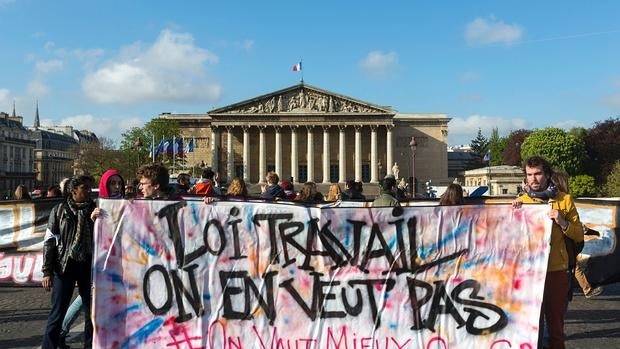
(297,67)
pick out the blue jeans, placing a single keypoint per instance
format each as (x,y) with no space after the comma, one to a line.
(72,314)
(62,291)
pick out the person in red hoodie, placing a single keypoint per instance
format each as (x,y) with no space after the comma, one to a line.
(112,185)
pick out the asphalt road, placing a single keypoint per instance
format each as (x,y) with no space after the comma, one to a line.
(591,323)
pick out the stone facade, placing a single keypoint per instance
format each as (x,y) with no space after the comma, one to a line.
(502,180)
(16,155)
(312,134)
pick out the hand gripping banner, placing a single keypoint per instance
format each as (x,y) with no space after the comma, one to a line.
(279,276)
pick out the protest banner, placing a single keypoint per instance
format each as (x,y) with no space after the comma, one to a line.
(268,275)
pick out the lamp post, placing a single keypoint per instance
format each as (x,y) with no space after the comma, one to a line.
(138,145)
(413,145)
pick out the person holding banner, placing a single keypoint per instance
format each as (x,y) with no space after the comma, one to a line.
(67,258)
(563,212)
(154,180)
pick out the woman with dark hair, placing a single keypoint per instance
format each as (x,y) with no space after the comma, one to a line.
(111,186)
(308,194)
(67,257)
(452,196)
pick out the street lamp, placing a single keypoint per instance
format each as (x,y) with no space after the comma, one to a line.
(413,145)
(138,145)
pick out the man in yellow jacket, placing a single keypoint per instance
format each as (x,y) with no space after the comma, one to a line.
(540,189)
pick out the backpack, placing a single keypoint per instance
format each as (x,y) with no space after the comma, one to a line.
(203,188)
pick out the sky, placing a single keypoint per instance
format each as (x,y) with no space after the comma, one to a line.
(107,66)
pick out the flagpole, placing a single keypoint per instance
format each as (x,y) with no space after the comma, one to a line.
(153,147)
(301,67)
(174,151)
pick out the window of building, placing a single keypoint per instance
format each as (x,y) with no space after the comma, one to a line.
(303,173)
(365,173)
(333,173)
(239,171)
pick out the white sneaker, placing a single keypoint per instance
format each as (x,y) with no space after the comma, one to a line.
(597,291)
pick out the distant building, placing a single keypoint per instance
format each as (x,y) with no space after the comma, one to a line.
(461,159)
(502,180)
(311,134)
(16,155)
(56,151)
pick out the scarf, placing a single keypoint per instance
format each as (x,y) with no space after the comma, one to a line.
(549,193)
(81,247)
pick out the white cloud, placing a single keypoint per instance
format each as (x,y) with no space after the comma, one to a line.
(37,88)
(101,126)
(45,67)
(87,55)
(379,65)
(247,45)
(483,31)
(172,69)
(469,76)
(463,130)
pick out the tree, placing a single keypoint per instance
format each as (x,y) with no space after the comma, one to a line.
(96,158)
(603,148)
(582,185)
(561,149)
(479,145)
(612,183)
(136,142)
(496,147)
(512,149)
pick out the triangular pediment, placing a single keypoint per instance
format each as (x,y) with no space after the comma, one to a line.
(301,99)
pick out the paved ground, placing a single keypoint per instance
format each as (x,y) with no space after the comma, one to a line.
(591,323)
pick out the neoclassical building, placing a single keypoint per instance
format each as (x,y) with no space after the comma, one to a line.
(311,134)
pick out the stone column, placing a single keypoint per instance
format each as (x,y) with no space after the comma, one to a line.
(230,154)
(342,155)
(278,150)
(373,154)
(389,155)
(310,155)
(262,167)
(294,150)
(246,154)
(325,154)
(358,153)
(215,149)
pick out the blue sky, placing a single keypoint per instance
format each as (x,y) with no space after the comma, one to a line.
(107,66)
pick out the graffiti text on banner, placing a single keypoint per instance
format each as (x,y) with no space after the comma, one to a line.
(257,275)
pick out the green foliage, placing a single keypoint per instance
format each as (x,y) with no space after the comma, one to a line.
(512,149)
(612,184)
(479,145)
(496,148)
(96,158)
(582,185)
(561,149)
(136,142)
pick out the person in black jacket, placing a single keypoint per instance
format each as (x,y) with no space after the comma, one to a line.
(272,190)
(67,257)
